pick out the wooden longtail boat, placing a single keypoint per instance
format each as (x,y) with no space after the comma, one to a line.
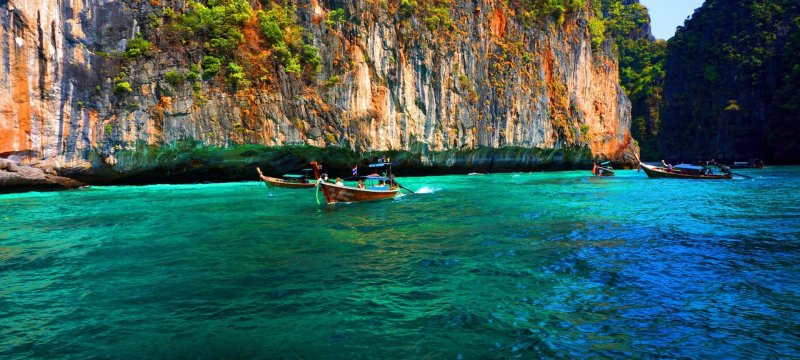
(341,193)
(752,164)
(682,171)
(288,181)
(604,169)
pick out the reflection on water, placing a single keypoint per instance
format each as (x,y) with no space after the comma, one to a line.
(498,265)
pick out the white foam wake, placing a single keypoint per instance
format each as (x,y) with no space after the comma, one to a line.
(426,190)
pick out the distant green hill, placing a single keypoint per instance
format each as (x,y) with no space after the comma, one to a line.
(733,83)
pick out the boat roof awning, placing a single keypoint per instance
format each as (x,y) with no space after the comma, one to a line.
(376,178)
(379,164)
(293,176)
(688,167)
(368,177)
(604,163)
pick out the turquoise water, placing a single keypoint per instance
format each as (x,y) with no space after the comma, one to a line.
(555,265)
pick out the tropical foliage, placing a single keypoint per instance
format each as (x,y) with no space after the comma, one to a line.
(733,79)
(537,12)
(235,41)
(138,46)
(641,68)
(217,24)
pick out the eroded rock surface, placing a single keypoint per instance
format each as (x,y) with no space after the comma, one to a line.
(22,178)
(489,81)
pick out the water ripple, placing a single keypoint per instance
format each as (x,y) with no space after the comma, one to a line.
(555,265)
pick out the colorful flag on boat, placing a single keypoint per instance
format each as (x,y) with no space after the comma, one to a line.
(355,170)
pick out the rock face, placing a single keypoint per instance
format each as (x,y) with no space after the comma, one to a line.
(21,178)
(387,82)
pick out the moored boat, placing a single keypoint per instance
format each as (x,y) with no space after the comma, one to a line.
(751,164)
(375,187)
(682,171)
(603,169)
(292,181)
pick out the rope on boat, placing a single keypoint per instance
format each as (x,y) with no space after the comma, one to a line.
(316,192)
(404,188)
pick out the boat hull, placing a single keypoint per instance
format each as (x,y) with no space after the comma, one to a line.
(603,172)
(660,172)
(340,193)
(280,183)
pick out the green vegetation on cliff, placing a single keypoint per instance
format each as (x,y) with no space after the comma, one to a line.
(238,42)
(641,68)
(216,24)
(535,12)
(282,33)
(733,79)
(138,47)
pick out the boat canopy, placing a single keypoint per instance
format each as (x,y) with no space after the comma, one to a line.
(379,165)
(368,177)
(293,176)
(376,178)
(604,163)
(688,167)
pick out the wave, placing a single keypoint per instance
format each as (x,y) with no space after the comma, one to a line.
(427,190)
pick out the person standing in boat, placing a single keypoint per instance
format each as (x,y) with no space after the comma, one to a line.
(361,184)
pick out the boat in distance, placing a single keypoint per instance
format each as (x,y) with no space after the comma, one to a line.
(750,164)
(602,169)
(337,192)
(291,181)
(682,171)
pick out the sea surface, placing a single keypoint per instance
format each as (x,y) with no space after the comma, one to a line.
(523,265)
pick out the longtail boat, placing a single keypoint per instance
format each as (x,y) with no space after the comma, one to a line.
(751,164)
(682,171)
(338,192)
(603,169)
(291,181)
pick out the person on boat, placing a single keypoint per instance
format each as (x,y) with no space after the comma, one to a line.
(361,184)
(339,181)
(667,166)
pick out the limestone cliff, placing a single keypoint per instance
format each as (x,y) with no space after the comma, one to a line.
(389,79)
